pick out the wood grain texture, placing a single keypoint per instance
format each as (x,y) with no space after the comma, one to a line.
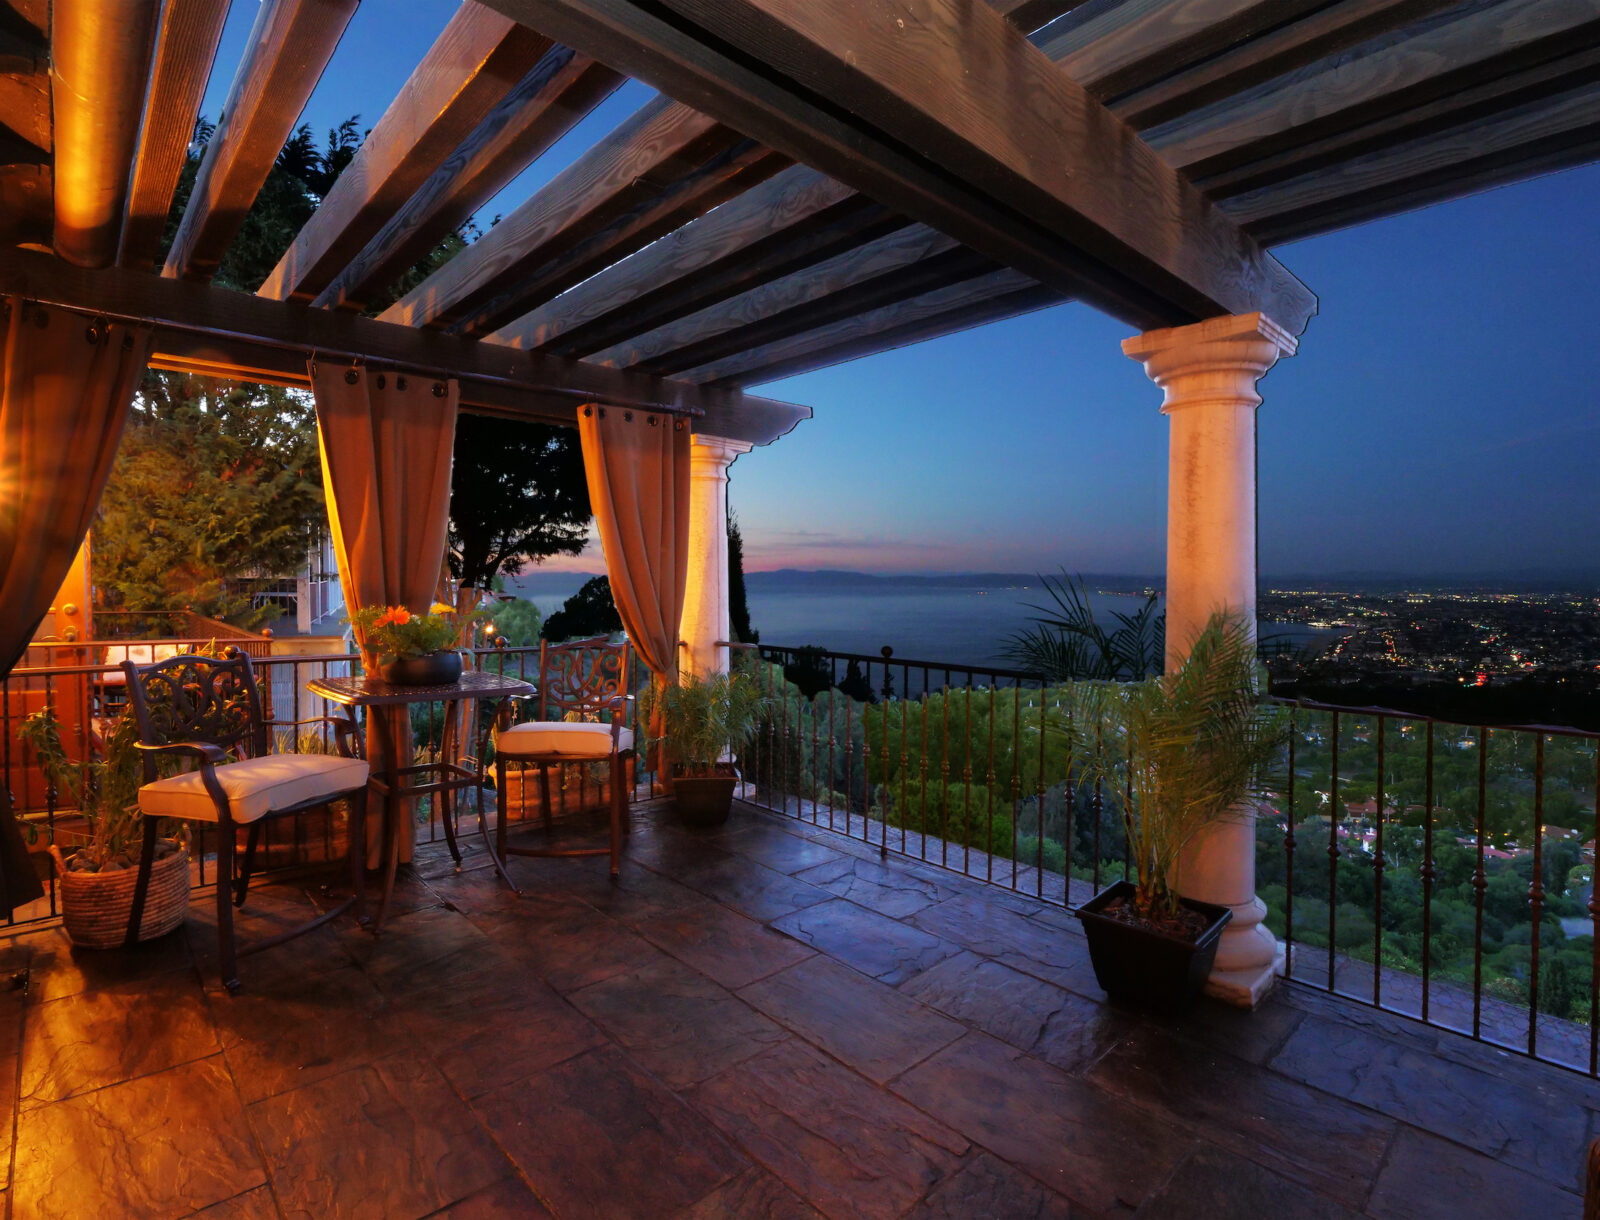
(290,44)
(239,322)
(477,59)
(560,89)
(977,156)
(1002,294)
(1029,15)
(662,166)
(186,47)
(25,88)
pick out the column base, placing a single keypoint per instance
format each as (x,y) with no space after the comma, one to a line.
(1247,987)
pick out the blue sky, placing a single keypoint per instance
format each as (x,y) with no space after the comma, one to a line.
(1441,418)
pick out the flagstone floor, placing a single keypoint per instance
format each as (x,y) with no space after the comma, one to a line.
(764,1020)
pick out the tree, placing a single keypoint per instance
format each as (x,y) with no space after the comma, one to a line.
(518,495)
(738,603)
(588,612)
(214,480)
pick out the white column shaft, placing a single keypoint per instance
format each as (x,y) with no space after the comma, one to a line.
(705,627)
(1208,373)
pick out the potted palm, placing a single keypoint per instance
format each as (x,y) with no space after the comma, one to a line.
(1189,749)
(696,721)
(96,881)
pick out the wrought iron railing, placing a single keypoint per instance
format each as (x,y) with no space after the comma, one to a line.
(1407,863)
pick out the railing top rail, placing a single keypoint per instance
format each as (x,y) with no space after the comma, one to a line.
(1549,730)
(63,671)
(954,667)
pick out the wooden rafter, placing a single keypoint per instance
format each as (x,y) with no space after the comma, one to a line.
(221,328)
(945,112)
(26,195)
(186,47)
(478,58)
(666,164)
(558,91)
(290,45)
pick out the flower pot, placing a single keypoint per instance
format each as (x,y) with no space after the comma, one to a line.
(1146,966)
(705,800)
(95,906)
(434,669)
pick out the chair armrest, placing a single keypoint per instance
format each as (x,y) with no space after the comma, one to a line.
(208,754)
(345,738)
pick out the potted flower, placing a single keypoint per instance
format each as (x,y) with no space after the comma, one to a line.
(409,649)
(1189,749)
(696,721)
(96,882)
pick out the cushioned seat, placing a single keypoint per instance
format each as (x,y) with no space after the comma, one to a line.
(255,786)
(568,738)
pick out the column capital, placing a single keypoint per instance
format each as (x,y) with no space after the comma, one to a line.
(1215,361)
(719,450)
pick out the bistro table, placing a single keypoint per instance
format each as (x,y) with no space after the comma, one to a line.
(443,777)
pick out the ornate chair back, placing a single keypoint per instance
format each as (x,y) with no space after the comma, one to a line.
(198,699)
(583,679)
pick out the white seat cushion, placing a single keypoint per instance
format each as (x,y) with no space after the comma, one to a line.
(571,739)
(255,786)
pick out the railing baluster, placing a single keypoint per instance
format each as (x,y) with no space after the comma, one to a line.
(1288,855)
(1536,893)
(1480,885)
(1377,879)
(1428,874)
(1333,849)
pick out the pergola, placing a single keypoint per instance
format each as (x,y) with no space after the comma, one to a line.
(819,179)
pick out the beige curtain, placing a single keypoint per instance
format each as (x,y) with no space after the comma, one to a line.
(386,441)
(638,468)
(64,394)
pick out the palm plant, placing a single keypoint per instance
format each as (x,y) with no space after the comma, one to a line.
(1188,748)
(700,717)
(1066,643)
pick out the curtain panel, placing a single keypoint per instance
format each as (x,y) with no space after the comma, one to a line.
(386,440)
(65,389)
(637,464)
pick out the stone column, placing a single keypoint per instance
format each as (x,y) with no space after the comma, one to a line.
(705,602)
(1208,373)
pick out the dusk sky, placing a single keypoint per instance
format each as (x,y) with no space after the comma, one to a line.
(1439,420)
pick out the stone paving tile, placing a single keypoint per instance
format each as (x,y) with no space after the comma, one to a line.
(1012,938)
(1255,1036)
(1427,1178)
(388,1140)
(507,1199)
(866,941)
(870,1026)
(1215,1185)
(1055,1024)
(156,1146)
(889,889)
(845,1146)
(985,1186)
(776,848)
(56,969)
(114,1033)
(423,949)
(677,1023)
(754,1195)
(1295,1131)
(495,1027)
(1074,1138)
(722,944)
(10,1069)
(596,1136)
(638,894)
(757,891)
(568,947)
(1536,1128)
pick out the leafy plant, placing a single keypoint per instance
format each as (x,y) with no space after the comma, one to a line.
(395,632)
(1068,644)
(105,791)
(1189,747)
(700,717)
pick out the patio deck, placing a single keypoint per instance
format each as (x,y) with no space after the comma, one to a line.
(758,1021)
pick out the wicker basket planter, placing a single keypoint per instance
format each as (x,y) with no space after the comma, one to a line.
(95,906)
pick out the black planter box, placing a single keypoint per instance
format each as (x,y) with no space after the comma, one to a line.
(704,800)
(1143,966)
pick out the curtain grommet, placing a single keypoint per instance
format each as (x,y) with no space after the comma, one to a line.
(438,389)
(627,417)
(399,383)
(351,376)
(382,381)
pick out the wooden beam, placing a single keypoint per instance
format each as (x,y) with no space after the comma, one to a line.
(186,47)
(290,45)
(25,88)
(559,90)
(794,219)
(234,324)
(1029,15)
(478,58)
(666,164)
(1404,68)
(1001,294)
(99,69)
(943,111)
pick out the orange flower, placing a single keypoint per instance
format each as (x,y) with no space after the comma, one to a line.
(397,615)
